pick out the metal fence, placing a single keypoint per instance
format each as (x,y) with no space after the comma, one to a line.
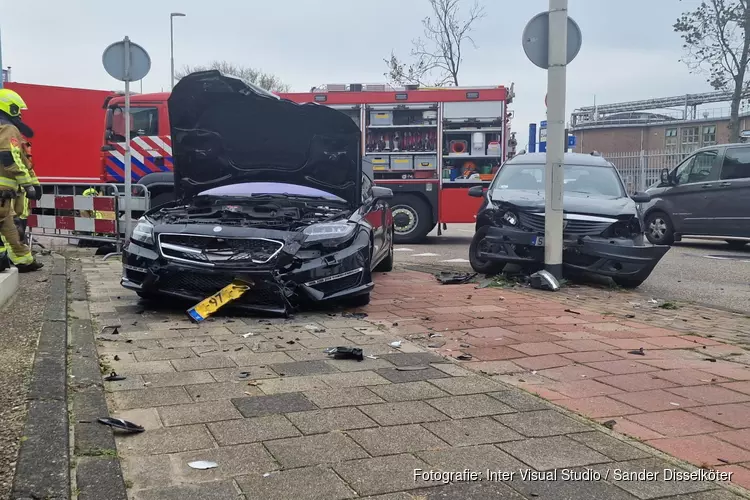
(641,169)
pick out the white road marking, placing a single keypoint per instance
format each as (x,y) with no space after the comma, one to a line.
(455,260)
(402,249)
(426,255)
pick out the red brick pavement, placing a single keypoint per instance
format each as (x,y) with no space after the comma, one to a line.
(688,394)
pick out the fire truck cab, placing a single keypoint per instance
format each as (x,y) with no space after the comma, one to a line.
(429,145)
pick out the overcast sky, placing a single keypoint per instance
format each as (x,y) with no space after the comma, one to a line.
(629,49)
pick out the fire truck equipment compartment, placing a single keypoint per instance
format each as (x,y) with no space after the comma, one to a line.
(381,118)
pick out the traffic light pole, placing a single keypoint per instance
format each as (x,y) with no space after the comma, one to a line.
(556,139)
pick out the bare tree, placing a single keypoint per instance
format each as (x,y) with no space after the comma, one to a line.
(716,38)
(252,75)
(438,56)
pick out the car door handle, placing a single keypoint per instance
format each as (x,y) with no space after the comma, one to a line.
(725,184)
(706,186)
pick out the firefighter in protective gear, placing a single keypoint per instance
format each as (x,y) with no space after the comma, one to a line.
(21,204)
(14,176)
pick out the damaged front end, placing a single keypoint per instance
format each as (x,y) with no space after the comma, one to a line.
(612,246)
(287,251)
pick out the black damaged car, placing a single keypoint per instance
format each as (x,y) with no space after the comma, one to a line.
(268,192)
(602,230)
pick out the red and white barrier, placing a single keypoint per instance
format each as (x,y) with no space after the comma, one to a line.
(72,223)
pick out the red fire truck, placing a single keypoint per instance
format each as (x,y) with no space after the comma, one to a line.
(430,145)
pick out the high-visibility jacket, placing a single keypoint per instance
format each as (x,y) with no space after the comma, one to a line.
(21,205)
(14,169)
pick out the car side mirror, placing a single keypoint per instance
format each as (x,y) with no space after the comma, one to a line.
(382,193)
(641,197)
(666,179)
(477,191)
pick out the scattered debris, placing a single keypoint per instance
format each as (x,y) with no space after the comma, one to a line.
(653,301)
(266,474)
(543,280)
(638,352)
(114,377)
(410,368)
(203,465)
(571,311)
(254,383)
(630,316)
(711,360)
(669,306)
(370,356)
(120,424)
(314,329)
(354,315)
(116,358)
(450,278)
(243,375)
(433,335)
(290,342)
(465,357)
(610,424)
(674,404)
(395,344)
(345,353)
(248,334)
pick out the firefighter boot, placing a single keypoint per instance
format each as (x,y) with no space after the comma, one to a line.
(28,268)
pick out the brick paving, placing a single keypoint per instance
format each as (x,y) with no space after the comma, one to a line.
(283,421)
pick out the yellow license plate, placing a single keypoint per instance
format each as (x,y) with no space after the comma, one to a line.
(210,305)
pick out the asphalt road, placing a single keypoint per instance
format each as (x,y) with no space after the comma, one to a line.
(697,271)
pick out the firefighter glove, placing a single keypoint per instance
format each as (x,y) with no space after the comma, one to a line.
(31,192)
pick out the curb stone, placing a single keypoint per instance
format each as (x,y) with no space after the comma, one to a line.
(98,474)
(42,469)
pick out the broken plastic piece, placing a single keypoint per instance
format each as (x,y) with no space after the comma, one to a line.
(396,344)
(433,335)
(345,353)
(543,280)
(638,352)
(410,368)
(314,329)
(465,357)
(120,424)
(114,329)
(609,424)
(203,465)
(354,315)
(113,377)
(449,278)
(249,334)
(243,375)
(370,356)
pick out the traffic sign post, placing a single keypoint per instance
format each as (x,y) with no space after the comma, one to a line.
(551,40)
(127,62)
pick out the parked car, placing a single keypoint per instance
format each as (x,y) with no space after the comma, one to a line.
(269,192)
(601,226)
(705,196)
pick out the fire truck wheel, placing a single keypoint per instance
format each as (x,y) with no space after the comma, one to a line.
(412,219)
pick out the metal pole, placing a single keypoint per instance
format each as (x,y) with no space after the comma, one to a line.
(556,75)
(128,164)
(171,47)
(1,60)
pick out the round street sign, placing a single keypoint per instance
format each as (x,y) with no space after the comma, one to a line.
(536,40)
(126,61)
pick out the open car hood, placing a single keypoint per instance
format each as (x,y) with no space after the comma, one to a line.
(226,131)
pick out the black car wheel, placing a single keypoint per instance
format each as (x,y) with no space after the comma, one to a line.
(480,265)
(659,230)
(412,219)
(386,265)
(736,244)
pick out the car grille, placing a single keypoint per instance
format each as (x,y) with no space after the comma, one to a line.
(199,284)
(210,250)
(535,222)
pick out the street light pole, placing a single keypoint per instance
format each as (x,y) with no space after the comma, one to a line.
(171,42)
(556,140)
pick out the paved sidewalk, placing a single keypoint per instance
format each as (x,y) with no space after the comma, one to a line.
(283,421)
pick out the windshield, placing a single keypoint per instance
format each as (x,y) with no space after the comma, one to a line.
(585,179)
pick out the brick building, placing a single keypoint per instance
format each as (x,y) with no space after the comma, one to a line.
(632,126)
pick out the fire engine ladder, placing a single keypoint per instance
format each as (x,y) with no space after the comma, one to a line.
(690,102)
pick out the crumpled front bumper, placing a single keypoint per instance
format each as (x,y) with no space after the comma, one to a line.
(614,257)
(335,276)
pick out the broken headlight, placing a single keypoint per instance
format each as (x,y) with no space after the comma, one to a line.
(624,229)
(329,232)
(510,219)
(143,232)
